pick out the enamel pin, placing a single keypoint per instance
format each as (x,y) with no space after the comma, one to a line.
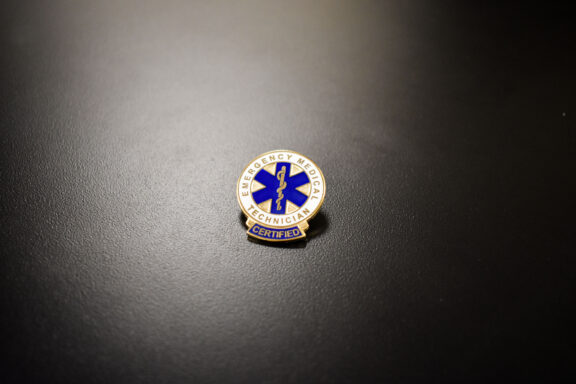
(279,191)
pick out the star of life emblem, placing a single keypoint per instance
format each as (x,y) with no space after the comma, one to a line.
(279,192)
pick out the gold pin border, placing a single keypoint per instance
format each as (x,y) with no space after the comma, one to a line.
(310,217)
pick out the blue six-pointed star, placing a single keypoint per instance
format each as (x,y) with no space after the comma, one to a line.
(273,182)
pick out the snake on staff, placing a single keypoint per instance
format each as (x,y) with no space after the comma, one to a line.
(280,177)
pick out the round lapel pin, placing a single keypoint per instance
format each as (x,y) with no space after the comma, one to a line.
(279,192)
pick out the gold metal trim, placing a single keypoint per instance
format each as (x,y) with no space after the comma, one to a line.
(291,208)
(305,189)
(266,206)
(295,169)
(256,186)
(270,168)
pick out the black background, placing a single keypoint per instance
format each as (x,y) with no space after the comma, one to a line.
(444,249)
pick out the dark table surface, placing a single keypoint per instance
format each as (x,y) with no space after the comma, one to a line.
(444,250)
